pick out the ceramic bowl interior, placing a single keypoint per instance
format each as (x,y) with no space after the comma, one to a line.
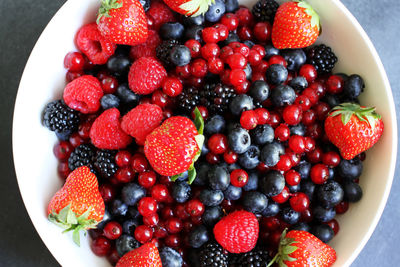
(36,167)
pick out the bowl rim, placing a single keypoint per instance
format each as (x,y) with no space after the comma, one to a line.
(382,73)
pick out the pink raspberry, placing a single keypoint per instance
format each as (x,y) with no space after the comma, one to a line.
(147,49)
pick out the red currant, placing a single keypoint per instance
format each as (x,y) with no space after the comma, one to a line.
(245,33)
(109,84)
(215,65)
(319,173)
(230,157)
(282,133)
(147,179)
(245,16)
(112,230)
(124,175)
(299,202)
(292,177)
(181,212)
(210,50)
(195,207)
(309,144)
(139,163)
(212,158)
(248,119)
(262,31)
(75,140)
(223,31)
(173,225)
(198,68)
(309,117)
(172,86)
(284,163)
(143,233)
(217,143)
(237,61)
(303,102)
(315,156)
(239,178)
(331,158)
(123,158)
(159,98)
(277,59)
(237,77)
(282,197)
(309,72)
(160,192)
(254,57)
(262,115)
(261,67)
(210,35)
(321,110)
(107,192)
(230,21)
(342,207)
(194,47)
(151,220)
(63,170)
(334,225)
(274,119)
(243,87)
(203,112)
(226,52)
(292,114)
(101,246)
(297,144)
(172,241)
(147,206)
(184,71)
(62,150)
(334,84)
(74,61)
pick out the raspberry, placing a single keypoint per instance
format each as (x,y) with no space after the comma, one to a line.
(237,232)
(106,132)
(97,48)
(146,75)
(148,48)
(141,121)
(83,94)
(160,13)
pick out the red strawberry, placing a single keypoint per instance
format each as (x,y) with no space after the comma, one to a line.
(78,205)
(145,256)
(353,129)
(237,232)
(160,13)
(83,94)
(122,21)
(97,48)
(106,131)
(300,248)
(146,75)
(148,48)
(189,7)
(171,148)
(296,25)
(141,121)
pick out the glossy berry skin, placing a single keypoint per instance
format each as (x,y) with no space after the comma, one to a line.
(74,61)
(112,230)
(143,233)
(292,114)
(160,192)
(237,77)
(172,86)
(230,21)
(282,197)
(299,202)
(151,220)
(319,173)
(331,158)
(262,31)
(297,144)
(230,157)
(309,72)
(101,246)
(217,143)
(147,206)
(147,179)
(249,119)
(334,84)
(276,74)
(210,35)
(139,163)
(292,177)
(195,207)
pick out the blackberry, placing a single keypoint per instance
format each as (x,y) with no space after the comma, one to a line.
(212,255)
(163,52)
(233,259)
(188,100)
(216,97)
(82,155)
(105,163)
(254,258)
(265,10)
(60,118)
(322,57)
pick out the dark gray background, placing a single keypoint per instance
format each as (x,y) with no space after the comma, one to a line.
(22,23)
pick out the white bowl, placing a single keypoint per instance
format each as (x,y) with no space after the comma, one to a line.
(44,79)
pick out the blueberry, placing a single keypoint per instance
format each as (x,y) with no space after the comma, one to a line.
(330,194)
(283,95)
(170,257)
(233,192)
(294,188)
(218,178)
(131,193)
(250,159)
(109,101)
(231,6)
(295,58)
(323,215)
(233,125)
(129,226)
(276,74)
(180,55)
(126,95)
(211,198)
(126,243)
(271,210)
(272,184)
(303,168)
(212,215)
(194,32)
(308,188)
(232,167)
(198,237)
(133,213)
(145,4)
(215,124)
(331,173)
(171,30)
(255,202)
(241,103)
(232,37)
(181,191)
(204,150)
(118,65)
(270,51)
(270,154)
(302,226)
(190,21)
(350,169)
(63,136)
(202,170)
(262,134)
(323,232)
(298,83)
(353,86)
(215,11)
(106,218)
(331,100)
(259,90)
(118,208)
(252,182)
(249,43)
(352,192)
(239,140)
(290,216)
(298,129)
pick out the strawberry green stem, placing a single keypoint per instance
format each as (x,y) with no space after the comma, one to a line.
(285,248)
(347,110)
(106,6)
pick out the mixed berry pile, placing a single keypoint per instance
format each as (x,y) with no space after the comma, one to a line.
(266,163)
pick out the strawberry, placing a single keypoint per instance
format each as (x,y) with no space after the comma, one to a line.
(78,205)
(353,129)
(300,248)
(173,147)
(122,21)
(148,48)
(296,25)
(83,94)
(237,232)
(146,75)
(189,7)
(145,256)
(106,131)
(141,121)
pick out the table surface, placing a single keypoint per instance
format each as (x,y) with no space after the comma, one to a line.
(24,20)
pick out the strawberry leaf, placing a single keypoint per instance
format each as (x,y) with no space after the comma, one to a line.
(289,249)
(76,237)
(192,175)
(311,12)
(198,121)
(106,6)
